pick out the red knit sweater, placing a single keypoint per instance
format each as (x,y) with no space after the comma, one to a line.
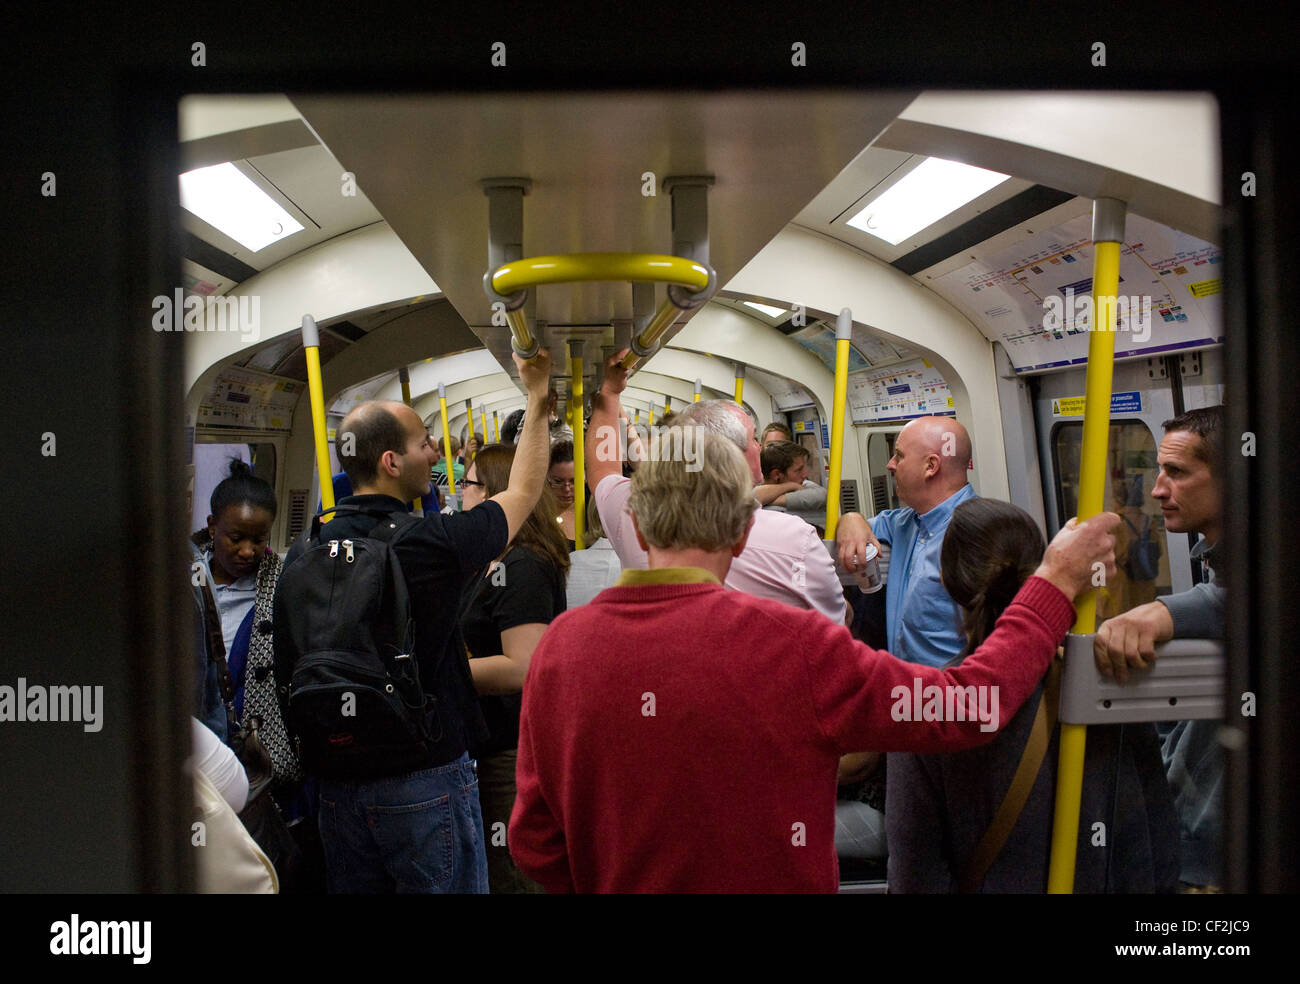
(684,738)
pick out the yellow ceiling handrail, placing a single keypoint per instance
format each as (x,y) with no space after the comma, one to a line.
(568,268)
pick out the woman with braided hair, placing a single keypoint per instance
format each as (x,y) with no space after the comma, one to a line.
(946,827)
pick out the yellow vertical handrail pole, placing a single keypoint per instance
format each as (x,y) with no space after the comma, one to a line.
(1107,236)
(843,335)
(740,382)
(579,453)
(651,421)
(496,425)
(316,392)
(469,413)
(448,461)
(699,383)
(668,405)
(482,416)
(404,377)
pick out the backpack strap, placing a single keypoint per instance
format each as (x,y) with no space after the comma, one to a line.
(1031,760)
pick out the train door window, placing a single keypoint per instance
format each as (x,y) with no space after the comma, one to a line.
(212,464)
(816,471)
(1141,554)
(880,448)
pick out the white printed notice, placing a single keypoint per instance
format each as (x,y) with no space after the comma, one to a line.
(899,392)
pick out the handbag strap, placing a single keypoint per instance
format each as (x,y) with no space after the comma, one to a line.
(1013,803)
(217,651)
(243,740)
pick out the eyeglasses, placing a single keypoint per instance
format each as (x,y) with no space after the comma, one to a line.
(560,483)
(470,481)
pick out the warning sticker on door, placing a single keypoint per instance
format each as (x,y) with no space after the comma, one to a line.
(1073,406)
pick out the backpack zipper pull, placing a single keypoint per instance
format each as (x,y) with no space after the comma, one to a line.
(347,547)
(334,548)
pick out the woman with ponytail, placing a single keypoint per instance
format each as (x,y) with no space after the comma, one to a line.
(940,808)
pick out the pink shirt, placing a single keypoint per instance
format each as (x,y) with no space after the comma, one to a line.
(784,558)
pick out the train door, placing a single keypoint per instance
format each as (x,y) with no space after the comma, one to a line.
(1143,398)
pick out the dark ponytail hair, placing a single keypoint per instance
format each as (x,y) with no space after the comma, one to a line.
(242,488)
(990,550)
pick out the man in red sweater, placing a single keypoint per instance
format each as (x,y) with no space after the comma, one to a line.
(679,737)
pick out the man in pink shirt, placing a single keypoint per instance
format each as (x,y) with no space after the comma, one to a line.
(677,737)
(783,559)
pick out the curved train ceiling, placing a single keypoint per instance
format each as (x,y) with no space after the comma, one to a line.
(805,160)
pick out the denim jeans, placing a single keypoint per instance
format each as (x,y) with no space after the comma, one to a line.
(418,832)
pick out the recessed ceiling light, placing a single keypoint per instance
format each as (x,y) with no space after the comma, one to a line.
(924,196)
(771,312)
(224,197)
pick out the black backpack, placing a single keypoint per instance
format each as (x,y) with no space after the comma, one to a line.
(352,696)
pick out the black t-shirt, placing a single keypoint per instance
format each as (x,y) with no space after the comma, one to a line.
(440,555)
(528,589)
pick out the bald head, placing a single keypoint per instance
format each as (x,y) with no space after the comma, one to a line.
(930,461)
(369,430)
(947,438)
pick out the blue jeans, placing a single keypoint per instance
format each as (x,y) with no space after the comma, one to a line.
(418,832)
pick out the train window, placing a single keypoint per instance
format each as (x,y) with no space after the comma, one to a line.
(880,448)
(212,464)
(1130,473)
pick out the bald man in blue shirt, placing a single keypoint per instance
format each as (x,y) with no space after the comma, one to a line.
(931,457)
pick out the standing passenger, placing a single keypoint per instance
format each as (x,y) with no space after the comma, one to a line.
(677,737)
(940,807)
(509,609)
(243,572)
(784,558)
(1190,492)
(559,479)
(931,455)
(421,830)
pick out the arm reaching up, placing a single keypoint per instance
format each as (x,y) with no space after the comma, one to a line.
(605,430)
(533,451)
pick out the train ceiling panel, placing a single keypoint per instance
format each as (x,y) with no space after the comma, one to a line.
(871,174)
(269,143)
(786,393)
(420,160)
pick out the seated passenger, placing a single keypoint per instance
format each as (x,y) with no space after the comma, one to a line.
(559,479)
(594,568)
(509,609)
(939,807)
(786,485)
(676,736)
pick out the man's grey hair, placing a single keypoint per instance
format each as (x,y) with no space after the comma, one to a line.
(721,417)
(706,505)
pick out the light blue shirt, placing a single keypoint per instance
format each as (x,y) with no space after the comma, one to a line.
(922,623)
(233,602)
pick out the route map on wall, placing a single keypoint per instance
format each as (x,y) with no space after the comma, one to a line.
(899,392)
(1004,292)
(241,400)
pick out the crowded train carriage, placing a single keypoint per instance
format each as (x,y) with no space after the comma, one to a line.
(844,469)
(930,279)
